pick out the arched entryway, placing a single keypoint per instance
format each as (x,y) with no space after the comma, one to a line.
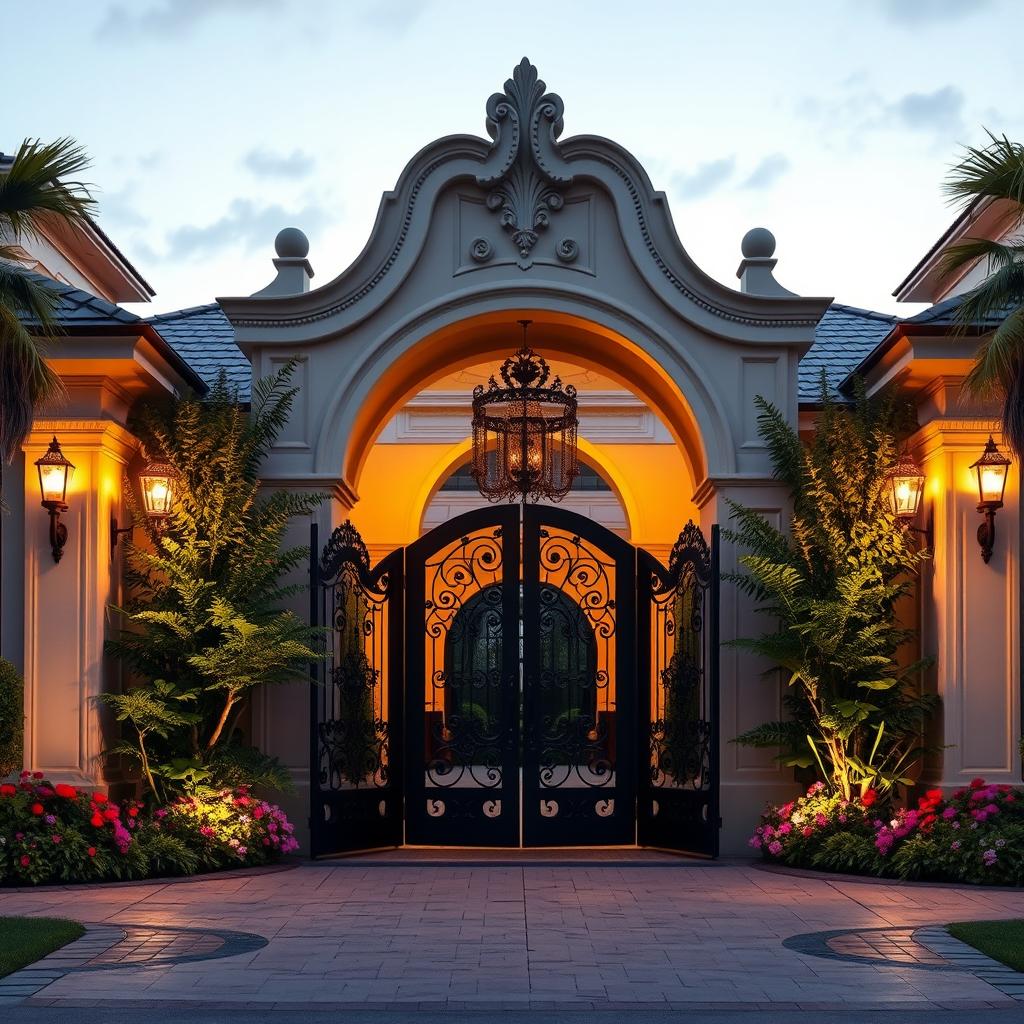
(519,676)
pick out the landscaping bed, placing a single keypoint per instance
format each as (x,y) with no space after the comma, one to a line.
(60,834)
(973,836)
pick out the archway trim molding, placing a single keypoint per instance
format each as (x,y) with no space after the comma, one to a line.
(388,372)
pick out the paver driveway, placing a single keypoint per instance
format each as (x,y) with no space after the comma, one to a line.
(592,934)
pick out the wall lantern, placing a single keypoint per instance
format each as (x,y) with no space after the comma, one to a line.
(906,488)
(156,482)
(55,473)
(906,481)
(992,469)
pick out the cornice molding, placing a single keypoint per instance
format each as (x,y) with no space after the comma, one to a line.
(106,435)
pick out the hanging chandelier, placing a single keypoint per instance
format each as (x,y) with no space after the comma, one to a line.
(524,431)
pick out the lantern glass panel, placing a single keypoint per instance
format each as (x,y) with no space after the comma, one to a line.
(55,473)
(992,469)
(157,490)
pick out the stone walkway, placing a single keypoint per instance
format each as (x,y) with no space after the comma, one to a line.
(652,933)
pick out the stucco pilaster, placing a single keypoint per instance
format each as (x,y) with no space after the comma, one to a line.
(750,777)
(970,610)
(66,618)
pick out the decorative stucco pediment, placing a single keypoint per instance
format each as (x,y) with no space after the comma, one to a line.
(525,172)
(524,202)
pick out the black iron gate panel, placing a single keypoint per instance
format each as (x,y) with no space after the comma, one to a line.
(677,622)
(357,696)
(579,678)
(462,681)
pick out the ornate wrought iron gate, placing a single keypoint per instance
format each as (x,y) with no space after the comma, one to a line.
(677,627)
(518,676)
(356,698)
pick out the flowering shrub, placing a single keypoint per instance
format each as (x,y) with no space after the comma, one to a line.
(58,833)
(976,835)
(229,827)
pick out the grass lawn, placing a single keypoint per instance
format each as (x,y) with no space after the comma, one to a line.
(23,940)
(1001,940)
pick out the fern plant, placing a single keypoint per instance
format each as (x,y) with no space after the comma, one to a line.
(205,616)
(855,712)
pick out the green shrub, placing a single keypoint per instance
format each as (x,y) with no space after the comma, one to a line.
(830,584)
(12,718)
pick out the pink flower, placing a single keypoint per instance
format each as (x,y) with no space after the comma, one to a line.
(820,820)
(785,828)
(989,857)
(949,813)
(754,841)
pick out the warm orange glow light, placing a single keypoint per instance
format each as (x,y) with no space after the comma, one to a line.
(157,482)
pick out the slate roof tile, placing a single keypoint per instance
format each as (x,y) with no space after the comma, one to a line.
(204,338)
(843,338)
(78,308)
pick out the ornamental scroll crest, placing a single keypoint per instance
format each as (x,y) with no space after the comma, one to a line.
(525,172)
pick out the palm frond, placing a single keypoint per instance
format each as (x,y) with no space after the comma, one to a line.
(994,171)
(996,254)
(42,185)
(26,381)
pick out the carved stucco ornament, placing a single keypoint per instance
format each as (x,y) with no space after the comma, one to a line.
(525,172)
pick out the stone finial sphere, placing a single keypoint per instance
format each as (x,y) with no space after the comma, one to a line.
(291,242)
(758,243)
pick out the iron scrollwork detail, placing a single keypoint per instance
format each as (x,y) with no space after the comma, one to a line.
(352,729)
(680,729)
(525,172)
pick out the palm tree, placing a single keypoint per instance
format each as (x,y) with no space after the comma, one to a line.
(38,189)
(994,172)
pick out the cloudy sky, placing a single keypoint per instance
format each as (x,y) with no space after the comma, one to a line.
(213,123)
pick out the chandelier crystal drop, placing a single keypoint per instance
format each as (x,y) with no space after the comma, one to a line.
(524,431)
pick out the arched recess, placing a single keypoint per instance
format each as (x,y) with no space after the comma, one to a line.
(570,325)
(589,453)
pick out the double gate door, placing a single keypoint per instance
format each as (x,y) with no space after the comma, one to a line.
(520,676)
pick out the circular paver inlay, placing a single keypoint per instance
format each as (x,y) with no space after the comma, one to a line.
(889,947)
(145,945)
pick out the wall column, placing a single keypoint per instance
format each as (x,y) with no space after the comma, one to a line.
(970,620)
(66,604)
(750,777)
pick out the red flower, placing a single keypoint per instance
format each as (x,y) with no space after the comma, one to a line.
(37,775)
(133,812)
(99,798)
(66,791)
(977,783)
(934,794)
(96,820)
(37,808)
(807,831)
(868,798)
(8,790)
(91,851)
(111,813)
(24,860)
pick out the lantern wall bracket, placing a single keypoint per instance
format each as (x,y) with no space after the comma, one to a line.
(58,530)
(987,530)
(925,531)
(117,531)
